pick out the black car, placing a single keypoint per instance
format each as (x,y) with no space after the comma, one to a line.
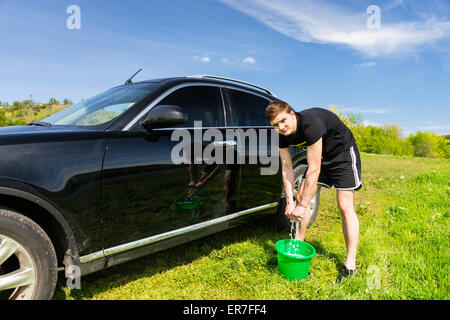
(95,184)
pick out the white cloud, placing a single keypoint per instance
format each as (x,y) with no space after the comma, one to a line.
(225,60)
(366,64)
(367,123)
(393,4)
(375,110)
(249,60)
(328,23)
(203,59)
(434,126)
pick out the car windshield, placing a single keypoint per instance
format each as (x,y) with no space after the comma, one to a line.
(102,108)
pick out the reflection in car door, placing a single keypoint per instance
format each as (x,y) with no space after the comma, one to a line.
(144,193)
(248,113)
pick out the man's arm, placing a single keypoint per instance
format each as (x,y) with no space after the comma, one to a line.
(287,173)
(314,158)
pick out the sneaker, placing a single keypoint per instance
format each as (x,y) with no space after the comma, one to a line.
(345,273)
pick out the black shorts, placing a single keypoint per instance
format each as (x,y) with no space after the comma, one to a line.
(343,171)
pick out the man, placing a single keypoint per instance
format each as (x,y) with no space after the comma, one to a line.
(333,160)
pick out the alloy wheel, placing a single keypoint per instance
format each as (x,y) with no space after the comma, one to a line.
(17,270)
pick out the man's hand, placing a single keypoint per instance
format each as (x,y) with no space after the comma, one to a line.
(200,184)
(298,213)
(192,184)
(290,207)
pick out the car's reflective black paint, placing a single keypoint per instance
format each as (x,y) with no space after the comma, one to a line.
(62,167)
(108,187)
(141,186)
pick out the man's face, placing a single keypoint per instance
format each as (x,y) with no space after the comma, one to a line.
(285,123)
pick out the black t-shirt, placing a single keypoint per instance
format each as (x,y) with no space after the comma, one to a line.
(314,123)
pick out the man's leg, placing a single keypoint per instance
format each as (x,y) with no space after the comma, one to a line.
(350,226)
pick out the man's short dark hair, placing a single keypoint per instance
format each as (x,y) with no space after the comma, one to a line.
(276,107)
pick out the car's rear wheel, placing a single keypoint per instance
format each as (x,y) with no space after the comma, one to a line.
(281,220)
(28,263)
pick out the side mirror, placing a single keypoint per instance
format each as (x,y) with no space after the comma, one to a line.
(164,116)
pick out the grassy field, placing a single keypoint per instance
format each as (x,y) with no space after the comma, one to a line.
(27,115)
(403,253)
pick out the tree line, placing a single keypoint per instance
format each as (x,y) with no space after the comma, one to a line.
(19,112)
(30,103)
(388,139)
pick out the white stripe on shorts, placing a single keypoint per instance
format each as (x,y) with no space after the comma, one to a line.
(354,168)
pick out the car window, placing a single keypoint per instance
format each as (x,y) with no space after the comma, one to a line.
(103,107)
(248,109)
(201,103)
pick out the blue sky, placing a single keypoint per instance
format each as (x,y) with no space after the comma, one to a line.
(310,53)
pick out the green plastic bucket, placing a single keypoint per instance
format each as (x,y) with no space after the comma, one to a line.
(187,203)
(294,258)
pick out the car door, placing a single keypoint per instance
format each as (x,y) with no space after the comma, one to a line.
(260,174)
(145,192)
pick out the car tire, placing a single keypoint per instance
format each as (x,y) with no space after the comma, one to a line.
(28,263)
(281,220)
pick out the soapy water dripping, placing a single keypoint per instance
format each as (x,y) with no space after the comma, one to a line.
(293,248)
(293,232)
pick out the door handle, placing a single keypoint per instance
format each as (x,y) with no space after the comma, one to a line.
(225,143)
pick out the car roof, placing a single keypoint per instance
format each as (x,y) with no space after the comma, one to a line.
(172,81)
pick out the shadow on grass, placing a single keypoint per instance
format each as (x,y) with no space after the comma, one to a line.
(336,258)
(261,231)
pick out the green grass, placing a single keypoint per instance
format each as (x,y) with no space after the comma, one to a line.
(403,252)
(27,115)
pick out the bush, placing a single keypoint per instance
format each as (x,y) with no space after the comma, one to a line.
(53,101)
(19,122)
(3,119)
(372,140)
(67,101)
(429,145)
(388,140)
